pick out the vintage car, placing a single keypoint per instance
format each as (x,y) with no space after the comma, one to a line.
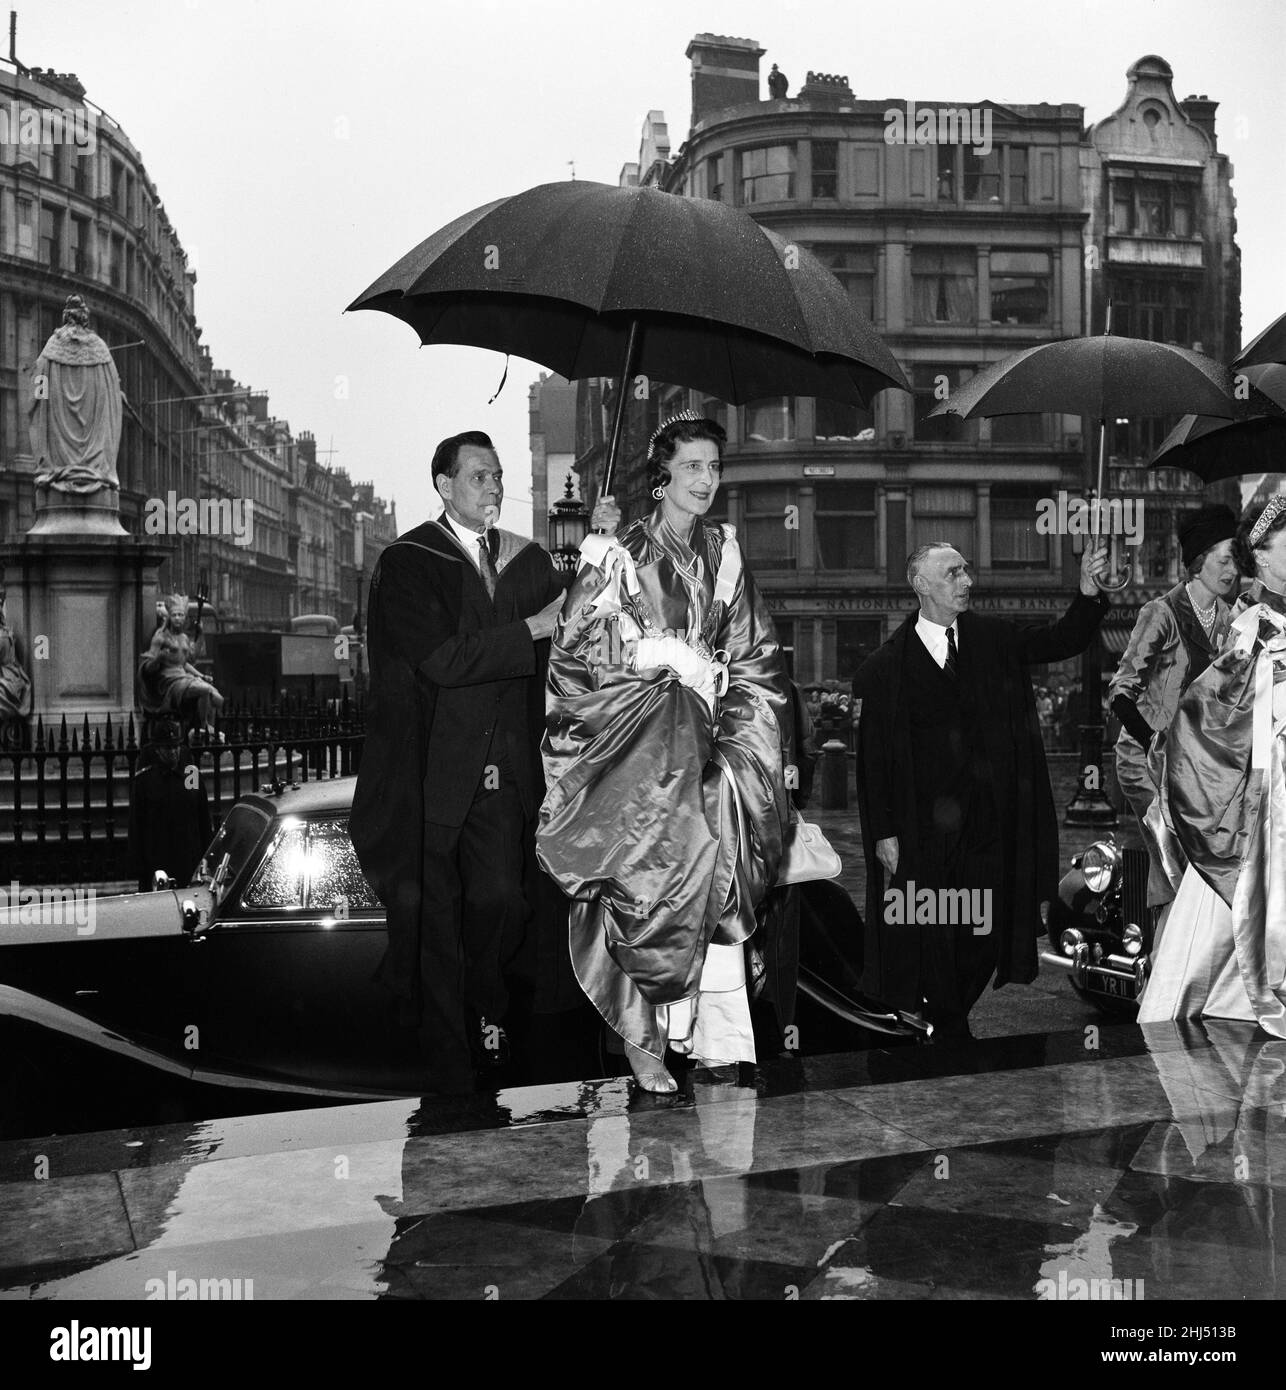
(1100,926)
(252,989)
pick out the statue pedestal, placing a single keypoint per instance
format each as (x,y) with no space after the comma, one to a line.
(81,594)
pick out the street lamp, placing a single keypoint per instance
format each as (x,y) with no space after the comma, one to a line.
(568,526)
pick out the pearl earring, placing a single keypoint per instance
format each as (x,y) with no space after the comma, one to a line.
(658,492)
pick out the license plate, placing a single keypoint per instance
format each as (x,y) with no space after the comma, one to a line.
(1115,986)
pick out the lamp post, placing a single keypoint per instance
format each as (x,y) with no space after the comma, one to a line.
(568,526)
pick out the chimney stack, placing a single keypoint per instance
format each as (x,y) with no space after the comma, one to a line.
(725,72)
(1201,112)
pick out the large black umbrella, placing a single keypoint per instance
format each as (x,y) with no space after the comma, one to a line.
(1104,377)
(1269,346)
(592,280)
(1253,442)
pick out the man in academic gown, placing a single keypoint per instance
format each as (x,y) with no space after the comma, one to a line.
(450,779)
(954,793)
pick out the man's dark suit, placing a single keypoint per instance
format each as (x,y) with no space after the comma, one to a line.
(955,769)
(450,779)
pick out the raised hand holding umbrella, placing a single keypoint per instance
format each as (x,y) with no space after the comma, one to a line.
(1105,378)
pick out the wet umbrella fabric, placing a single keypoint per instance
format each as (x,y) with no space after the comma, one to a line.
(560,273)
(1103,377)
(1253,442)
(1268,347)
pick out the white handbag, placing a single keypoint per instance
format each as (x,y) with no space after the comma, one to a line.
(807,854)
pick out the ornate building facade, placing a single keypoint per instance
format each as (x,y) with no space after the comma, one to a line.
(962,247)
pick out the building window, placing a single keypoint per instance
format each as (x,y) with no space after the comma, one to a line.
(855,640)
(854,268)
(1015,542)
(943,286)
(714,178)
(1181,205)
(931,385)
(839,420)
(1153,207)
(947,173)
(49,163)
(1020,287)
(713,409)
(51,237)
(771,527)
(946,514)
(844,526)
(1158,554)
(81,165)
(769,420)
(26,226)
(118,186)
(768,174)
(79,247)
(981,175)
(825,168)
(1017,157)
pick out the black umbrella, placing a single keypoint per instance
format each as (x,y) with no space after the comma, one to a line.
(1253,442)
(1104,377)
(592,280)
(1269,346)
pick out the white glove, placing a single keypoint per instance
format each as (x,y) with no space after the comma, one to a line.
(692,669)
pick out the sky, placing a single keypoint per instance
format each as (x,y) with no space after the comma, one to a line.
(302,146)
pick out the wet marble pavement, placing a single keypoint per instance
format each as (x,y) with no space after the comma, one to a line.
(1018,1168)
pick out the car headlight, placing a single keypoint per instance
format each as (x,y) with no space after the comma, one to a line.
(1070,940)
(1100,865)
(1132,939)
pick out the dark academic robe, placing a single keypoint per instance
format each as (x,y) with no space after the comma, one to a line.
(450,672)
(1001,710)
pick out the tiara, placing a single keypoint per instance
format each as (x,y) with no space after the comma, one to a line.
(673,420)
(1276,505)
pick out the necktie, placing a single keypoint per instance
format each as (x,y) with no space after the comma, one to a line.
(952,666)
(487,565)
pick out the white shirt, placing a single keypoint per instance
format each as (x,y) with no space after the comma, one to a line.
(934,637)
(468,539)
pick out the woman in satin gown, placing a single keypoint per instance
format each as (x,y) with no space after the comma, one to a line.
(1222,773)
(666,744)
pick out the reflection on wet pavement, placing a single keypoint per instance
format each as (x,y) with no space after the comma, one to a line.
(1148,1166)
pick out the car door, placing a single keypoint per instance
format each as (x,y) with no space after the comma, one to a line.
(287,972)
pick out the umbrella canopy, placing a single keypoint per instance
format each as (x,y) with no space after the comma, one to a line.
(1104,377)
(592,280)
(1269,346)
(1253,442)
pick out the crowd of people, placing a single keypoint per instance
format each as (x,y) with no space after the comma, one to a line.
(582,794)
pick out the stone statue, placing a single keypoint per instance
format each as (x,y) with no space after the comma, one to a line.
(169,682)
(76,409)
(777,84)
(15,684)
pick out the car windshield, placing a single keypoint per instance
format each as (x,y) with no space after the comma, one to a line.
(238,836)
